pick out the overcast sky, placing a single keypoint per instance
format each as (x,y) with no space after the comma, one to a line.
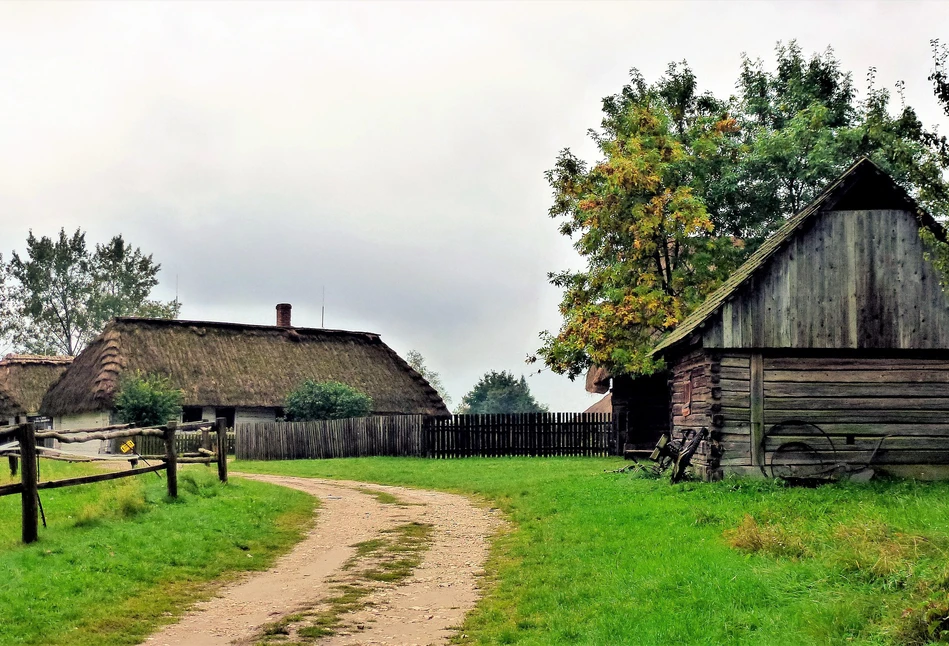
(391,152)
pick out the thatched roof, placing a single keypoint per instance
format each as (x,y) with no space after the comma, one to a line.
(604,405)
(864,185)
(598,380)
(25,378)
(228,364)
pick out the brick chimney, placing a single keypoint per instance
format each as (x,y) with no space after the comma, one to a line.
(283,315)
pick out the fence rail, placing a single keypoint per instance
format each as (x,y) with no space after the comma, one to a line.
(538,434)
(25,450)
(187,442)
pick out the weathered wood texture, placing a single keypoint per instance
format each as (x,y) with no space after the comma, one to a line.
(534,434)
(422,436)
(852,279)
(894,410)
(697,405)
(29,477)
(398,435)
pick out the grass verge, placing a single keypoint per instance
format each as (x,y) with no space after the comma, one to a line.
(119,558)
(607,558)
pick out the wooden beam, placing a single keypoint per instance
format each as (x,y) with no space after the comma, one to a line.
(10,489)
(99,477)
(171,459)
(757,409)
(113,427)
(221,426)
(29,496)
(70,437)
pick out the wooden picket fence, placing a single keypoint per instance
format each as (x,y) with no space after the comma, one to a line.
(535,434)
(339,438)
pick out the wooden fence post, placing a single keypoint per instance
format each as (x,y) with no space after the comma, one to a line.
(13,465)
(171,459)
(30,494)
(221,424)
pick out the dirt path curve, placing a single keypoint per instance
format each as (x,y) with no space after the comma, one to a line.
(422,609)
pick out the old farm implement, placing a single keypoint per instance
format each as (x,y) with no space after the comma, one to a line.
(23,444)
(675,454)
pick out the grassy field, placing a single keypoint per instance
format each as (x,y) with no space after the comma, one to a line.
(606,558)
(119,557)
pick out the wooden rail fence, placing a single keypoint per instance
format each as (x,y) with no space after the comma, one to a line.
(534,434)
(21,444)
(185,442)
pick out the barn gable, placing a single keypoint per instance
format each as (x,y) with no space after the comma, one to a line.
(847,272)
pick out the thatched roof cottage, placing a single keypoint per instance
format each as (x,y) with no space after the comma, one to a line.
(240,372)
(24,379)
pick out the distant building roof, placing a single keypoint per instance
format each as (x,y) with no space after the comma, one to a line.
(25,378)
(605,405)
(230,364)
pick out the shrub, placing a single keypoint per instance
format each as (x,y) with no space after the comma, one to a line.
(313,400)
(147,400)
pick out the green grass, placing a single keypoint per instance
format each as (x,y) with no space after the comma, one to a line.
(607,558)
(119,557)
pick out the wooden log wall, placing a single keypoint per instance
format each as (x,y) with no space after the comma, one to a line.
(847,410)
(857,402)
(696,404)
(734,434)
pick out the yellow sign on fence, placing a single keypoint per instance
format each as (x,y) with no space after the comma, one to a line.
(128,446)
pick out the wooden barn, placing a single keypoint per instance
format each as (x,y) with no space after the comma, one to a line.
(240,372)
(828,350)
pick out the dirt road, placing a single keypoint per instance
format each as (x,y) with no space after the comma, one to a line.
(299,597)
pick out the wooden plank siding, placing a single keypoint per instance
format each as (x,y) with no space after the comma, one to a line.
(892,409)
(849,279)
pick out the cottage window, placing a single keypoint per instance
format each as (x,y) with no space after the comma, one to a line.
(191,414)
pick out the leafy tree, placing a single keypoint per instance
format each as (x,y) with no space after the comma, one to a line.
(500,392)
(688,185)
(62,295)
(147,400)
(417,361)
(313,400)
(651,247)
